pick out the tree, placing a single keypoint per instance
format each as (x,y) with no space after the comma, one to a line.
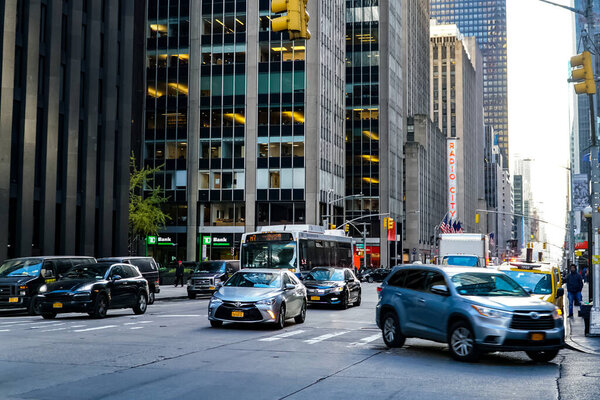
(145,214)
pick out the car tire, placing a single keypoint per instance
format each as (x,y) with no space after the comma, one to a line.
(461,342)
(345,301)
(542,355)
(390,330)
(48,315)
(151,297)
(370,279)
(191,296)
(302,316)
(216,324)
(34,306)
(141,304)
(358,299)
(280,324)
(100,307)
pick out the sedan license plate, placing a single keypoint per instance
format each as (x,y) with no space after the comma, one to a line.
(537,336)
(211,288)
(315,297)
(239,314)
(57,305)
(13,300)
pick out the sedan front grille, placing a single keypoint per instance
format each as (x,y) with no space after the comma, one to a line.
(525,322)
(251,313)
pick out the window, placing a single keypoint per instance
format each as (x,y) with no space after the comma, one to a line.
(434,278)
(274,179)
(398,278)
(415,280)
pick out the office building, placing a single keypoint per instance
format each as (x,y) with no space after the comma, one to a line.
(485,20)
(248,124)
(65,126)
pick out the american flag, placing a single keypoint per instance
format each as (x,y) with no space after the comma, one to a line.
(444,226)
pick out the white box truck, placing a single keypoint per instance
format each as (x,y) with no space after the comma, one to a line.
(466,249)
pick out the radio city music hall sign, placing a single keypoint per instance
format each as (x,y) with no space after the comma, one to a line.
(452,180)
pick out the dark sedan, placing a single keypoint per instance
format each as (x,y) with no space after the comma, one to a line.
(334,286)
(375,275)
(95,288)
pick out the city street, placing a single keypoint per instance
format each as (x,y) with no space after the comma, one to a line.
(171,352)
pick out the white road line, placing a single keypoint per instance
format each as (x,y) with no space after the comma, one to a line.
(96,328)
(365,341)
(52,330)
(281,336)
(130,323)
(47,325)
(324,337)
(180,315)
(4,330)
(353,322)
(146,322)
(78,326)
(137,327)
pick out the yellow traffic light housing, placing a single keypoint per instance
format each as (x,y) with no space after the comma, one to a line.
(476,218)
(385,222)
(583,73)
(346,228)
(332,226)
(295,21)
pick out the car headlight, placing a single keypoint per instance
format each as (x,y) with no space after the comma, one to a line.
(215,301)
(491,312)
(266,302)
(557,313)
(337,289)
(43,289)
(85,288)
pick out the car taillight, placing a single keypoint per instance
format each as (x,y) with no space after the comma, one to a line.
(379,289)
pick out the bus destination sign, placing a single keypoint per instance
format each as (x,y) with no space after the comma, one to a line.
(269,237)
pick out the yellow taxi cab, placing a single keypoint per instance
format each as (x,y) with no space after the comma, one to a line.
(541,279)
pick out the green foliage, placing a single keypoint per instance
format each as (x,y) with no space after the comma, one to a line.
(145,214)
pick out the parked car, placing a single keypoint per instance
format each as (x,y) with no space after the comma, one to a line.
(147,266)
(334,286)
(21,278)
(95,288)
(259,295)
(375,275)
(208,274)
(474,311)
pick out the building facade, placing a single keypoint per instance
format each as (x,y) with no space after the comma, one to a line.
(457,109)
(65,126)
(248,124)
(485,20)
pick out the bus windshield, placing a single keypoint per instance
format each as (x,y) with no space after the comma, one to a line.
(269,255)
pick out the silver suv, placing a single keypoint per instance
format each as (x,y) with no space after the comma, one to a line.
(474,311)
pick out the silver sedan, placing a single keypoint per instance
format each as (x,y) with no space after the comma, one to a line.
(259,295)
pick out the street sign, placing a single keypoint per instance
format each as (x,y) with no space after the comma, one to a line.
(206,240)
(596,259)
(151,239)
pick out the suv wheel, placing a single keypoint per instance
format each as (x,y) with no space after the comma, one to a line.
(542,355)
(34,306)
(392,336)
(461,341)
(141,304)
(216,324)
(151,297)
(191,295)
(100,307)
(281,318)
(302,316)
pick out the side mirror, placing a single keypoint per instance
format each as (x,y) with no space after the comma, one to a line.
(560,292)
(219,285)
(115,278)
(442,290)
(289,286)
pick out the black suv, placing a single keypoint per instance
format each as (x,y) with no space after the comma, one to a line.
(93,289)
(20,278)
(147,266)
(208,274)
(335,286)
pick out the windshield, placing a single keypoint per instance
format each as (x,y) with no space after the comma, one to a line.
(325,275)
(465,261)
(269,255)
(255,279)
(87,271)
(210,266)
(538,283)
(26,267)
(480,284)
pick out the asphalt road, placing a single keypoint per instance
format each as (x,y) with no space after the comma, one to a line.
(171,352)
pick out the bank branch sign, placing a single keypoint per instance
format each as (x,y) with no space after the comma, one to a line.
(452,179)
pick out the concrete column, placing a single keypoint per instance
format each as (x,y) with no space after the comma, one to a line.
(27,171)
(48,203)
(251,113)
(7,66)
(384,132)
(193,128)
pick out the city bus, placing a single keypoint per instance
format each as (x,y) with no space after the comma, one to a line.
(298,248)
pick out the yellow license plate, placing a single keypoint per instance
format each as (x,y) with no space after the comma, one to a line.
(57,305)
(239,314)
(211,288)
(315,297)
(537,336)
(13,300)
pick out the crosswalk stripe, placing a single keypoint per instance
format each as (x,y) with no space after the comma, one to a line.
(78,326)
(47,325)
(4,330)
(96,328)
(324,337)
(137,327)
(281,336)
(52,330)
(365,340)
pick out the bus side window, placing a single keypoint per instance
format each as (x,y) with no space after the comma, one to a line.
(303,254)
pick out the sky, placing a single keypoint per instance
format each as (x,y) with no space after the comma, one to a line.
(540,44)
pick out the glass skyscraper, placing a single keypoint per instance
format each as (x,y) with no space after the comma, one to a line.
(486,20)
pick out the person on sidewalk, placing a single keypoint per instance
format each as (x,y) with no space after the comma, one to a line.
(574,287)
(179,274)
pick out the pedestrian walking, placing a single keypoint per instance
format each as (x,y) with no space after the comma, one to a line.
(574,286)
(584,274)
(179,274)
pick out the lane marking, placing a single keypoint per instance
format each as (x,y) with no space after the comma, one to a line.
(181,315)
(281,336)
(365,341)
(130,323)
(47,325)
(52,330)
(78,326)
(4,330)
(353,322)
(96,328)
(325,337)
(137,327)
(146,322)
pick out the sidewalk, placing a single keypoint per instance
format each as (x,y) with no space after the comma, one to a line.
(169,292)
(575,328)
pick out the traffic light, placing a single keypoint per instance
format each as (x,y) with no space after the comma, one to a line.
(332,226)
(583,73)
(295,21)
(476,218)
(346,228)
(388,223)
(391,224)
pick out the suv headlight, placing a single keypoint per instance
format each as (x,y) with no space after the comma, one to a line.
(266,302)
(43,289)
(491,312)
(557,313)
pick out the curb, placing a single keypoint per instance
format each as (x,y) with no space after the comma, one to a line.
(569,342)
